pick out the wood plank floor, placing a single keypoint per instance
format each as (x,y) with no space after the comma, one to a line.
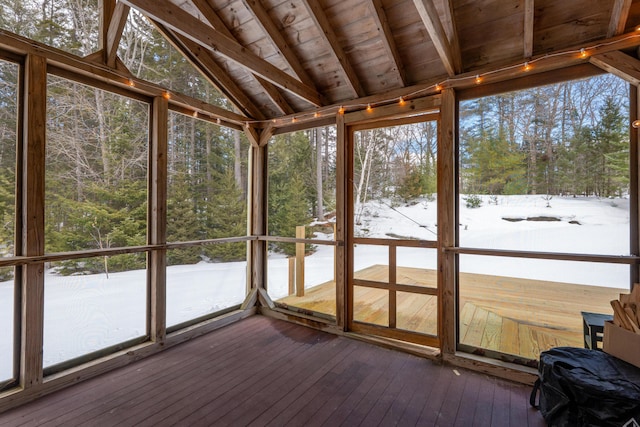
(515,316)
(262,371)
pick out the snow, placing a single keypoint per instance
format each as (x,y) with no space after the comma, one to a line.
(87,313)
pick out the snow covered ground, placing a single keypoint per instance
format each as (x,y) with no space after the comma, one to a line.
(88,313)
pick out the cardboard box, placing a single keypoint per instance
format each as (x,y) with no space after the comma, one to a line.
(621,343)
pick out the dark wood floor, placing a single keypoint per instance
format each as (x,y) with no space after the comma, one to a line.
(262,371)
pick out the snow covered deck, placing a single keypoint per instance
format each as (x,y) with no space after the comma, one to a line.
(511,315)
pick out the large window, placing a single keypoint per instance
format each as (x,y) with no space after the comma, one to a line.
(207,177)
(301,198)
(8,126)
(542,170)
(96,198)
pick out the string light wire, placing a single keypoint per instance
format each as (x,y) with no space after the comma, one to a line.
(437,87)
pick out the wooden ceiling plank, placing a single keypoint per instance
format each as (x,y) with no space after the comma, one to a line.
(191,27)
(272,92)
(388,41)
(620,64)
(431,20)
(275,35)
(114,33)
(619,15)
(322,22)
(529,10)
(205,63)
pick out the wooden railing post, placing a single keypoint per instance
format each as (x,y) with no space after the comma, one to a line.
(292,276)
(300,234)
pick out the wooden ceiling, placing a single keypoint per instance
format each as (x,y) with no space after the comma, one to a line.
(274,58)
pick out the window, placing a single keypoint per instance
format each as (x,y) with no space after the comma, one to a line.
(207,181)
(96,199)
(544,170)
(8,126)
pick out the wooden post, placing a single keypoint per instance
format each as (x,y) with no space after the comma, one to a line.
(343,181)
(446,223)
(393,315)
(300,234)
(634,182)
(292,277)
(158,218)
(33,187)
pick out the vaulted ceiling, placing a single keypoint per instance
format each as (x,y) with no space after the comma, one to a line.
(274,58)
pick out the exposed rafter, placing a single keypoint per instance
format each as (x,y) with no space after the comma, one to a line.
(436,31)
(529,11)
(620,64)
(270,90)
(449,25)
(322,23)
(182,22)
(387,40)
(619,15)
(205,63)
(114,33)
(275,35)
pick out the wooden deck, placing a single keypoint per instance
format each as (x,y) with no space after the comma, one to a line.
(262,371)
(515,316)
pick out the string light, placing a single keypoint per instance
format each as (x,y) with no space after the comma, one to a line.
(218,121)
(293,120)
(636,124)
(166,94)
(195,114)
(131,83)
(525,66)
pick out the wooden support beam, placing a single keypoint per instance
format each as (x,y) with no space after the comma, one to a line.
(204,61)
(429,15)
(450,29)
(259,137)
(342,185)
(529,14)
(300,234)
(321,21)
(182,22)
(158,218)
(388,42)
(114,33)
(258,209)
(620,64)
(447,222)
(634,180)
(33,190)
(619,16)
(271,91)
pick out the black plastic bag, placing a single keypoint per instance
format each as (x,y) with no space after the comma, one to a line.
(581,387)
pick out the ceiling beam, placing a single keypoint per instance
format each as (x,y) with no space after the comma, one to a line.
(449,25)
(388,42)
(270,90)
(114,33)
(619,64)
(619,15)
(275,35)
(431,20)
(205,63)
(529,12)
(191,27)
(322,23)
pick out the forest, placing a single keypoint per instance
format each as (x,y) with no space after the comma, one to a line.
(564,139)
